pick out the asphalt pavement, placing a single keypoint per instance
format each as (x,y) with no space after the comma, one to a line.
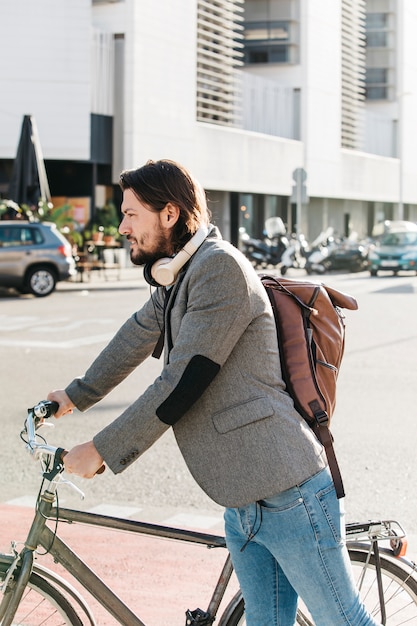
(46,342)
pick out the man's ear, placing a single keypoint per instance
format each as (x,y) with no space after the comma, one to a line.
(169,215)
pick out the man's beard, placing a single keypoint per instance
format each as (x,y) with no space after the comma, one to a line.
(160,249)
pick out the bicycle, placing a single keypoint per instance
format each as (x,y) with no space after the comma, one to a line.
(34,595)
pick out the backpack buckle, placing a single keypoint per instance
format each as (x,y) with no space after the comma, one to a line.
(321,417)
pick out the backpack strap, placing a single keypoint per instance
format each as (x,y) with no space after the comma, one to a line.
(321,429)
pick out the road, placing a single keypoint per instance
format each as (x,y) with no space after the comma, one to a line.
(45,342)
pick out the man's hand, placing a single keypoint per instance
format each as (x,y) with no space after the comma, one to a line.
(83,460)
(65,404)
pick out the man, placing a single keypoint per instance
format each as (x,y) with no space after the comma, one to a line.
(222,392)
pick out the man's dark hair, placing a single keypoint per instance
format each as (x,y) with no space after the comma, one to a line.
(158,182)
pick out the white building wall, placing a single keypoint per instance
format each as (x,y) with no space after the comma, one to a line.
(160,80)
(46,45)
(407,98)
(244,161)
(45,72)
(321,91)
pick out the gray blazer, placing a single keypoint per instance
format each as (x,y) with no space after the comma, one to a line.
(221,387)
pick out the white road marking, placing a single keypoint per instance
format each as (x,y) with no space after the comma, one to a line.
(26,501)
(53,345)
(189,520)
(115,510)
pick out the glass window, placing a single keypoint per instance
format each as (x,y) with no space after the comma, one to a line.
(16,236)
(267,31)
(267,42)
(377,30)
(399,239)
(247,217)
(376,75)
(376,40)
(376,21)
(376,93)
(376,83)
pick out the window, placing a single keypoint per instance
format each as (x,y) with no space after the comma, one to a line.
(376,83)
(377,30)
(16,236)
(267,42)
(379,42)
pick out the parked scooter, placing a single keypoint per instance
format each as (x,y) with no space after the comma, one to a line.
(299,251)
(343,254)
(269,250)
(296,254)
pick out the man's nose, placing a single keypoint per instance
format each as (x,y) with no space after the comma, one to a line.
(123,230)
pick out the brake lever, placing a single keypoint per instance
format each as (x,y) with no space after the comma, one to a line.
(57,470)
(65,481)
(58,465)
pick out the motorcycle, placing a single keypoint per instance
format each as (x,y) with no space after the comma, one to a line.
(299,251)
(269,250)
(295,255)
(344,254)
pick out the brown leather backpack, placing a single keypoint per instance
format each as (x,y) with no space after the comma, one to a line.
(311,339)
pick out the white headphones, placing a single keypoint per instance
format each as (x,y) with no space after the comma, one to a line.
(164,272)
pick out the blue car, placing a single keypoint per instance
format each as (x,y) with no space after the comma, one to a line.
(396,252)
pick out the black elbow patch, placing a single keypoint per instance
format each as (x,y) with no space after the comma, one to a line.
(197,376)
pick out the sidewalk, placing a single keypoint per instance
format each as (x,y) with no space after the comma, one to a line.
(130,277)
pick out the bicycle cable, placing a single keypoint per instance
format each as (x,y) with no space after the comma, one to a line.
(55,519)
(46,468)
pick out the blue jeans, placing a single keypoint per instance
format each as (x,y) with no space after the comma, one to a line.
(292,545)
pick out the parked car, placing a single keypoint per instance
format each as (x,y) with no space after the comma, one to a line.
(395,251)
(392,226)
(34,256)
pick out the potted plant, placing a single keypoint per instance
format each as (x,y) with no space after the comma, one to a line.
(97,233)
(110,235)
(105,223)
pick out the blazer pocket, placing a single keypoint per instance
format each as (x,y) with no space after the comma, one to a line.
(242,414)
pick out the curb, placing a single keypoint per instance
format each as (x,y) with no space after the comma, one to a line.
(115,278)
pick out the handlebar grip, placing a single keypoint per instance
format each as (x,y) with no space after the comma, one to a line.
(54,406)
(99,471)
(45,409)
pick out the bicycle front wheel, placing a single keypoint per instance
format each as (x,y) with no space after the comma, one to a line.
(41,604)
(399,589)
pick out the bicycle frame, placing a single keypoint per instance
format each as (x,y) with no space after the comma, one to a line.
(41,535)
(364,537)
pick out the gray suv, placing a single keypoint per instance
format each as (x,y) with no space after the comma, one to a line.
(34,256)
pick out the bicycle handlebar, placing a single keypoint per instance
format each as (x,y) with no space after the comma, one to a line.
(35,418)
(45,409)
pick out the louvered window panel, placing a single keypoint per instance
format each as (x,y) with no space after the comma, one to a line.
(219,57)
(353,72)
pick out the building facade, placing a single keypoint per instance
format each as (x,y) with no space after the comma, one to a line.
(305,109)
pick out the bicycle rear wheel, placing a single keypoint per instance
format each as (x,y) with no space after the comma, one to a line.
(399,585)
(398,582)
(41,604)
